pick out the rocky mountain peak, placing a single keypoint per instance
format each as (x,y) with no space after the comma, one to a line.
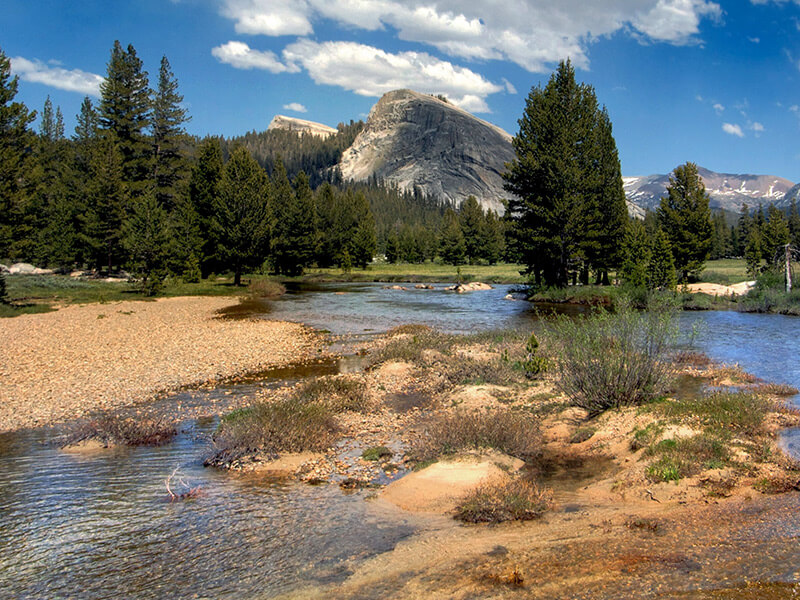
(419,141)
(300,126)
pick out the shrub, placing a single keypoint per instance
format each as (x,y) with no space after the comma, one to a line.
(507,500)
(116,430)
(689,358)
(608,360)
(775,389)
(533,366)
(285,425)
(512,432)
(265,288)
(581,435)
(335,392)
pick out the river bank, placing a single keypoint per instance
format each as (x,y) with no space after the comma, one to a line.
(100,357)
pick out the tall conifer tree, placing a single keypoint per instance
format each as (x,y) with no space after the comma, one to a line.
(168,117)
(125,112)
(243,214)
(685,218)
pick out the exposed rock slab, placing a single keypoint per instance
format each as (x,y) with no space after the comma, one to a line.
(300,126)
(419,142)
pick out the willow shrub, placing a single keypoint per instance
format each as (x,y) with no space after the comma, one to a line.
(612,359)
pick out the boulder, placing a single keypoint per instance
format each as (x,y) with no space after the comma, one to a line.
(423,286)
(4,268)
(22,269)
(473,286)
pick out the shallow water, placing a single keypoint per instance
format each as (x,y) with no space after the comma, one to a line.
(99,525)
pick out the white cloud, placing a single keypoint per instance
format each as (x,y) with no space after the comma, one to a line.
(756,126)
(733,129)
(531,33)
(295,107)
(509,86)
(241,56)
(370,71)
(719,108)
(675,21)
(268,17)
(73,80)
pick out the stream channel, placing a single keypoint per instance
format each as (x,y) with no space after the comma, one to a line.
(99,525)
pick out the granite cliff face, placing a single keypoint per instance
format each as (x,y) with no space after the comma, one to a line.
(300,126)
(414,140)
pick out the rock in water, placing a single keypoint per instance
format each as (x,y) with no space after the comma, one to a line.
(420,142)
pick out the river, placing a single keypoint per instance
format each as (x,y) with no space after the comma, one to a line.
(99,525)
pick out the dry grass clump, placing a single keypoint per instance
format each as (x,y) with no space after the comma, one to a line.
(265,288)
(409,329)
(284,425)
(689,358)
(338,393)
(111,430)
(643,524)
(512,499)
(732,373)
(782,390)
(512,432)
(778,483)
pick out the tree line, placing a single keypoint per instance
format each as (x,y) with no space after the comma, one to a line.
(130,189)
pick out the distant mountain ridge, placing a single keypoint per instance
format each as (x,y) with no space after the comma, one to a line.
(726,191)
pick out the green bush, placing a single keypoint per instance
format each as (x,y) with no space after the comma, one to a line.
(607,360)
(684,457)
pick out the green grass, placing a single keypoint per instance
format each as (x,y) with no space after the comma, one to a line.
(421,273)
(725,271)
(685,457)
(721,413)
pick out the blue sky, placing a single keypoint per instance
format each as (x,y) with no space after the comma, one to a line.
(717,83)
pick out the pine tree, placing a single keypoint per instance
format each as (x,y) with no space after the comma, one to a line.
(186,241)
(294,234)
(565,181)
(607,214)
(472,226)
(794,224)
(494,238)
(753,253)
(107,204)
(363,245)
(392,247)
(15,140)
(242,214)
(125,112)
(636,251)
(145,237)
(661,267)
(168,117)
(774,236)
(47,126)
(204,189)
(685,218)
(721,243)
(452,247)
(325,203)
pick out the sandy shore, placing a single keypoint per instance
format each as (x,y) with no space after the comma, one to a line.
(80,359)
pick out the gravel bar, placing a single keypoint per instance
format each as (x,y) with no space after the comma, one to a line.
(81,359)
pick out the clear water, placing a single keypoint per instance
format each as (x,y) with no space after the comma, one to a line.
(99,525)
